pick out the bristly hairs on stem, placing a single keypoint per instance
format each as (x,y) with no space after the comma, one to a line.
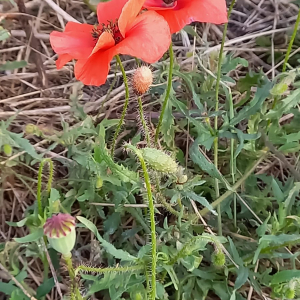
(119,269)
(152,219)
(144,122)
(124,108)
(216,141)
(39,185)
(168,91)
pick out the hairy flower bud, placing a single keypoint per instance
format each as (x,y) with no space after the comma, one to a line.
(142,80)
(99,182)
(218,258)
(290,293)
(61,234)
(159,160)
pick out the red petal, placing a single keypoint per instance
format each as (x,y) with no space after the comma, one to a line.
(94,70)
(148,38)
(62,60)
(129,12)
(188,11)
(77,40)
(104,42)
(109,11)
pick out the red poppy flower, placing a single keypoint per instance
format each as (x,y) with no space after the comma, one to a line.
(122,30)
(179,13)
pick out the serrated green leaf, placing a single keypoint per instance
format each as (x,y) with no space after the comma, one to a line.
(4,34)
(193,196)
(112,223)
(285,276)
(45,288)
(231,63)
(24,144)
(117,253)
(167,125)
(17,224)
(12,65)
(242,277)
(235,255)
(32,237)
(254,105)
(199,159)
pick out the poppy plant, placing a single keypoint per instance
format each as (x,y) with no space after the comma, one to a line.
(122,29)
(179,13)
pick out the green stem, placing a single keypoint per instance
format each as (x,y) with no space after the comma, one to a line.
(144,124)
(287,55)
(168,91)
(233,189)
(124,108)
(109,269)
(152,217)
(216,141)
(68,260)
(153,229)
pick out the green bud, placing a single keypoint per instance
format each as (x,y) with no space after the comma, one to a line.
(290,293)
(61,234)
(159,160)
(99,183)
(138,296)
(7,149)
(30,129)
(218,258)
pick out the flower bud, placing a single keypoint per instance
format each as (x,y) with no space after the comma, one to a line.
(61,234)
(99,183)
(142,80)
(159,160)
(218,258)
(30,129)
(7,149)
(290,293)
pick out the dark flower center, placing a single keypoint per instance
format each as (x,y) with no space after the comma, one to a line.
(169,1)
(111,27)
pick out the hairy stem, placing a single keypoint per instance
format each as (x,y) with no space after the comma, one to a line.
(216,141)
(144,124)
(39,185)
(109,269)
(287,55)
(168,91)
(152,218)
(124,108)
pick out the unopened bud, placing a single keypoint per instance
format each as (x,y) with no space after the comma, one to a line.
(218,258)
(61,234)
(142,80)
(159,160)
(7,149)
(30,129)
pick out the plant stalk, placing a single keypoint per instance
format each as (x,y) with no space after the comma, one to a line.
(216,141)
(168,91)
(124,108)
(287,55)
(143,121)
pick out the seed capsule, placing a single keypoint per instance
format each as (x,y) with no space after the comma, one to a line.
(142,80)
(61,234)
